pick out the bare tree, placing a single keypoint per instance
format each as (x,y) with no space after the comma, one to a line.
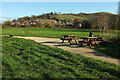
(103,22)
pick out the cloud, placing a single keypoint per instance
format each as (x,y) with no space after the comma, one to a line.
(3,19)
(8,18)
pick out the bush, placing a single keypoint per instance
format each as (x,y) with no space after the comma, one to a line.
(86,25)
(48,24)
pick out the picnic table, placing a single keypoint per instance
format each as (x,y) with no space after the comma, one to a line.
(69,38)
(90,41)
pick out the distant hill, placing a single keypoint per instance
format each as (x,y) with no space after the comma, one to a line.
(69,17)
(55,16)
(104,13)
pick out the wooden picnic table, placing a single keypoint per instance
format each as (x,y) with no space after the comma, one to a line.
(69,38)
(90,41)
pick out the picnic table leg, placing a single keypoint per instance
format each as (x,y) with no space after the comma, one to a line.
(63,41)
(69,41)
(81,44)
(97,45)
(76,41)
(90,45)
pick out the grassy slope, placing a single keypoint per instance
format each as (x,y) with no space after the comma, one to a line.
(69,17)
(26,58)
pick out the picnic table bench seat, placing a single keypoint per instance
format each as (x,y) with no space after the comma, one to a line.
(90,41)
(69,38)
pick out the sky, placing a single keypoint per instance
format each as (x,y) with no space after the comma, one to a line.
(14,10)
(60,0)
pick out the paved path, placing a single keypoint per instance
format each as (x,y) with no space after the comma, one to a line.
(56,42)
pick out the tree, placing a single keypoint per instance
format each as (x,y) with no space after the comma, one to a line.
(51,13)
(39,24)
(26,24)
(27,18)
(44,16)
(21,20)
(77,23)
(33,17)
(8,23)
(86,24)
(48,24)
(114,19)
(15,23)
(119,22)
(103,22)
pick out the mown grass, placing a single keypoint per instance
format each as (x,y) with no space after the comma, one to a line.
(54,33)
(14,31)
(47,32)
(27,59)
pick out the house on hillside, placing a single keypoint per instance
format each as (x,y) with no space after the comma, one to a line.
(33,23)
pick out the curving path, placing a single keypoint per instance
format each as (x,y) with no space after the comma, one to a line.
(56,42)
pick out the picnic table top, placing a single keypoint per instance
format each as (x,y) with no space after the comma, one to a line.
(69,35)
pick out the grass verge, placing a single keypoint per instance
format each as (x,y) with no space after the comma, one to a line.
(28,59)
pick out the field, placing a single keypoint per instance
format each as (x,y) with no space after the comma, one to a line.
(28,59)
(45,32)
(53,33)
(13,31)
(111,49)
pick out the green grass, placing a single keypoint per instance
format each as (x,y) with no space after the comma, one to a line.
(111,48)
(47,32)
(54,33)
(69,17)
(14,31)
(27,59)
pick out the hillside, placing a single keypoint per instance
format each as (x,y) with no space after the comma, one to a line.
(69,20)
(104,13)
(69,17)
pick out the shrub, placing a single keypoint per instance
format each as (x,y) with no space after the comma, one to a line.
(48,24)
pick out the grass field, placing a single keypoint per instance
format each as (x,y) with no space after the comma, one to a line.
(50,32)
(14,31)
(112,49)
(45,32)
(27,59)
